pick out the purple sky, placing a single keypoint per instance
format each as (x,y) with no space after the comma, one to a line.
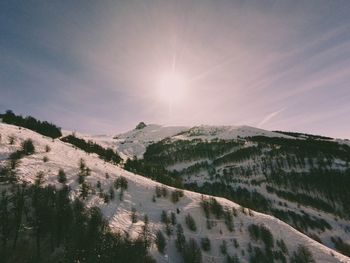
(95,66)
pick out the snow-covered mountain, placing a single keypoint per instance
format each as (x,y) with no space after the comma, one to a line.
(267,171)
(134,142)
(140,198)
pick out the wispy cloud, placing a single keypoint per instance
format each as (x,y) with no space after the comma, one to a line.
(269,117)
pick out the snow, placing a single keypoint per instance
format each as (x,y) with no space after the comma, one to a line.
(140,191)
(134,142)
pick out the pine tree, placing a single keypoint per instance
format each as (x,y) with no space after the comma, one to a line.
(64,213)
(192,252)
(205,243)
(146,233)
(5,225)
(302,255)
(223,247)
(18,206)
(84,191)
(191,224)
(111,193)
(28,147)
(160,241)
(133,215)
(173,218)
(62,178)
(180,238)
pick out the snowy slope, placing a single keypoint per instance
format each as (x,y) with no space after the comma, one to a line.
(134,142)
(139,195)
(190,173)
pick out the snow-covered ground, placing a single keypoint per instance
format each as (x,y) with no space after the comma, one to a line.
(141,190)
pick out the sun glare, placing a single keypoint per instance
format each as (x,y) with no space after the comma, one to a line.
(171,88)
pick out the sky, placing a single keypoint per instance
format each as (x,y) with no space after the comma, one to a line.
(103,66)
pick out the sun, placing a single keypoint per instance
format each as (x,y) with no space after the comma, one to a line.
(172,88)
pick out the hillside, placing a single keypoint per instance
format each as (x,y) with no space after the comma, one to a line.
(301,179)
(146,197)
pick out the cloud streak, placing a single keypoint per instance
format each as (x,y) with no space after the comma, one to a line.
(269,117)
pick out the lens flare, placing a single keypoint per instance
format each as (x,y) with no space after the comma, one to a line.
(172,88)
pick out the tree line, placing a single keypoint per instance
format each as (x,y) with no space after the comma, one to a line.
(29,122)
(108,154)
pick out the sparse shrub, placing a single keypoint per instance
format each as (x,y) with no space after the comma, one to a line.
(106,198)
(133,215)
(5,174)
(213,206)
(61,177)
(84,171)
(158,192)
(234,211)
(168,230)
(45,159)
(191,224)
(302,255)
(266,236)
(111,193)
(164,217)
(47,148)
(282,245)
(341,246)
(121,182)
(164,191)
(121,195)
(216,208)
(192,252)
(81,179)
(82,164)
(209,224)
(14,159)
(180,238)
(235,243)
(223,247)
(160,241)
(228,220)
(176,195)
(173,218)
(39,179)
(28,147)
(206,207)
(260,232)
(205,244)
(233,259)
(84,191)
(11,139)
(146,234)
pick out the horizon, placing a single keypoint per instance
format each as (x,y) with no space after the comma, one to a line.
(185,126)
(103,67)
